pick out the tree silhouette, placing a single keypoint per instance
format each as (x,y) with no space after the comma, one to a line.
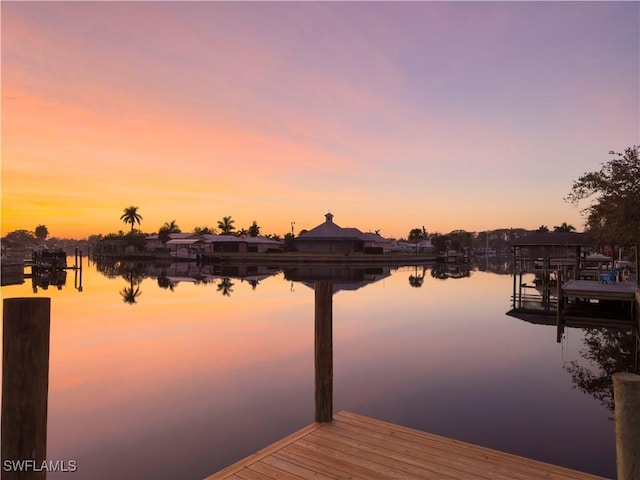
(204,230)
(416,234)
(131,216)
(165,282)
(226,225)
(564,228)
(171,226)
(164,234)
(418,279)
(614,191)
(543,229)
(225,286)
(132,292)
(42,232)
(254,229)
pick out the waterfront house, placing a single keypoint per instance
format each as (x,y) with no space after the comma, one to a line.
(423,246)
(233,244)
(328,237)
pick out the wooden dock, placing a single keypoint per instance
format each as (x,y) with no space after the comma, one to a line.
(622,291)
(361,448)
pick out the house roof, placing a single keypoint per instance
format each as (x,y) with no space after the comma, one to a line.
(262,240)
(332,231)
(212,238)
(184,241)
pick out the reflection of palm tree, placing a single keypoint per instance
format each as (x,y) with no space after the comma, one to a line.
(129,294)
(225,286)
(439,272)
(254,283)
(131,216)
(417,279)
(611,351)
(165,282)
(132,292)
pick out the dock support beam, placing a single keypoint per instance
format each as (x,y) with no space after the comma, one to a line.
(324,351)
(25,384)
(560,306)
(626,393)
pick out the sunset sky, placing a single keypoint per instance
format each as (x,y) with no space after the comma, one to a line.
(390,115)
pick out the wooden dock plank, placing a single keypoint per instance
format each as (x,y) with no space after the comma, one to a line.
(312,462)
(356,447)
(462,450)
(231,469)
(601,291)
(441,460)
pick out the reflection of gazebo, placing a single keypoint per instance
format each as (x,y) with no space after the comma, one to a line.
(341,278)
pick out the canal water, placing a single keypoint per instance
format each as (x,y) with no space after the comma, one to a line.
(176,373)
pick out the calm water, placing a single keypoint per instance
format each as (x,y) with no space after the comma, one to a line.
(196,375)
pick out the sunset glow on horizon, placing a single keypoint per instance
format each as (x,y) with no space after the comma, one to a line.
(447,115)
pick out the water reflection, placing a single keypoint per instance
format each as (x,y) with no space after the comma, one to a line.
(417,279)
(607,351)
(611,343)
(230,374)
(443,271)
(169,276)
(131,292)
(225,286)
(341,278)
(45,278)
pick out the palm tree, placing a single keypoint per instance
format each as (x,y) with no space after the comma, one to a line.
(204,230)
(226,225)
(254,229)
(42,232)
(543,229)
(564,228)
(171,227)
(164,234)
(131,216)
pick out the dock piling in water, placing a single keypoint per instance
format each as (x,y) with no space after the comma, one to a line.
(626,392)
(323,351)
(25,384)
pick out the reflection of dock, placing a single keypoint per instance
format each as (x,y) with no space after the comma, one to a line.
(597,302)
(354,446)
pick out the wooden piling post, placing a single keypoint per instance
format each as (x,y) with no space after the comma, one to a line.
(323,351)
(25,384)
(626,394)
(560,307)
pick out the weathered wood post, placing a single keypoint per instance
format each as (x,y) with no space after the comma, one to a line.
(323,351)
(560,307)
(25,385)
(515,273)
(626,394)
